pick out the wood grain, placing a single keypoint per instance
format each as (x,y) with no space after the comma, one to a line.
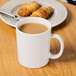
(64,66)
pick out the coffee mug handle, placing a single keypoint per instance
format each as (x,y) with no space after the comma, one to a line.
(52,56)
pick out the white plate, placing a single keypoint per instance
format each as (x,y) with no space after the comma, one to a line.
(59,15)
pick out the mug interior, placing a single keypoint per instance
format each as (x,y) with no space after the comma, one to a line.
(33,20)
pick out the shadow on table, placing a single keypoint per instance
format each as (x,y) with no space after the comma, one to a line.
(65,23)
(68,55)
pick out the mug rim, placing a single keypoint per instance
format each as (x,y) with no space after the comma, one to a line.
(49,28)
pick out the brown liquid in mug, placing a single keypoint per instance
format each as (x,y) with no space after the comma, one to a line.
(33,28)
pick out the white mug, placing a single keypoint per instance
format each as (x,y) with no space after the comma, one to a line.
(34,49)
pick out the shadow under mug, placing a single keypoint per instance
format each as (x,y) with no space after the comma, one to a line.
(34,49)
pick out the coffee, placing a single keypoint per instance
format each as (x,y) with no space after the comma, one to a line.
(33,28)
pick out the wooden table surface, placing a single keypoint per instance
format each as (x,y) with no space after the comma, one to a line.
(64,66)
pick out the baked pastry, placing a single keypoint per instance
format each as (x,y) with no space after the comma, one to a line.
(28,8)
(42,12)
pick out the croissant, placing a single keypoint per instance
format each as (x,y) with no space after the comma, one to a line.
(28,8)
(42,12)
